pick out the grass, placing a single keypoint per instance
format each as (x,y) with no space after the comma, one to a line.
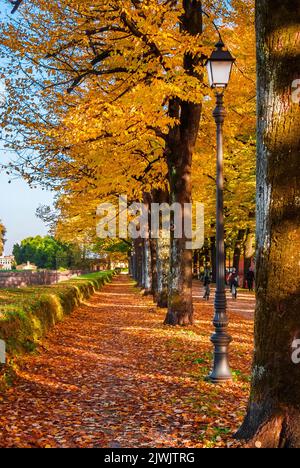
(27,314)
(91,276)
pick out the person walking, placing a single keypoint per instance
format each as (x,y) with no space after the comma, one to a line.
(206,284)
(234,283)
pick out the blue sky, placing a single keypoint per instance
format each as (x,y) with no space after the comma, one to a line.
(18,204)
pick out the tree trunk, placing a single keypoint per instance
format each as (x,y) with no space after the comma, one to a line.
(160,255)
(154,285)
(238,249)
(135,262)
(142,279)
(213,256)
(139,262)
(163,269)
(196,263)
(147,265)
(153,250)
(130,264)
(273,418)
(163,256)
(180,147)
(249,252)
(147,282)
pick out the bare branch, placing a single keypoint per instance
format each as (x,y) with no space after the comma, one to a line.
(16,4)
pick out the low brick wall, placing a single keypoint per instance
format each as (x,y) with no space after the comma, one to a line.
(22,279)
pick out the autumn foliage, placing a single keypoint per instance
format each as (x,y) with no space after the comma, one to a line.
(89,86)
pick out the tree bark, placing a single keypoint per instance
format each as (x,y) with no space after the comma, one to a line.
(147,264)
(163,269)
(154,284)
(180,147)
(147,280)
(163,257)
(139,262)
(249,252)
(273,418)
(136,263)
(130,264)
(196,263)
(213,256)
(238,249)
(153,250)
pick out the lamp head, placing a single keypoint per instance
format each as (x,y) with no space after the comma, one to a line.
(219,66)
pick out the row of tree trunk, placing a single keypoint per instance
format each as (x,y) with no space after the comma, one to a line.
(273,417)
(150,258)
(242,258)
(171,260)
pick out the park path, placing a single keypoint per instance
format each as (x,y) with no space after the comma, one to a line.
(111,375)
(244,306)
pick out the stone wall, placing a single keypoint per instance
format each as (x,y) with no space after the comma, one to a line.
(21,279)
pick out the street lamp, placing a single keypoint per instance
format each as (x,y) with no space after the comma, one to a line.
(219,67)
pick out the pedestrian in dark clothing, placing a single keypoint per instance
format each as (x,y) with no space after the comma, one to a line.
(234,283)
(250,279)
(206,284)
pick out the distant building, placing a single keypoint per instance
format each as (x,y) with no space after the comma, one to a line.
(7,263)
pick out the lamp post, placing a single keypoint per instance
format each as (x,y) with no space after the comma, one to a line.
(219,67)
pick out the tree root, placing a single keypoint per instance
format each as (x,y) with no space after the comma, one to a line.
(280,429)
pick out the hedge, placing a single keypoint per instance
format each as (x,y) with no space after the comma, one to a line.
(27,314)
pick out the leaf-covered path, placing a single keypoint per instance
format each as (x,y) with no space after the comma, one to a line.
(112,375)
